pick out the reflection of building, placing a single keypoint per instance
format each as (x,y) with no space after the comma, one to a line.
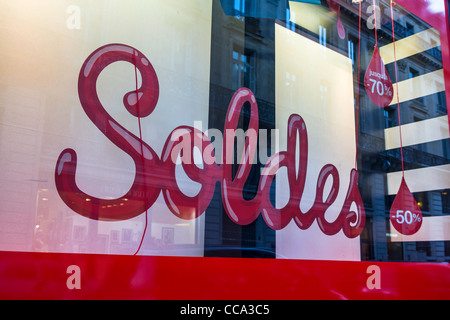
(422,99)
(242,55)
(41,115)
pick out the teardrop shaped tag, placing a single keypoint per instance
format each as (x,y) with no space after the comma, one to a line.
(377,81)
(336,7)
(406,216)
(340,26)
(333,5)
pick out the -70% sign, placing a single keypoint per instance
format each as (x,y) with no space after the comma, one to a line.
(377,82)
(381,88)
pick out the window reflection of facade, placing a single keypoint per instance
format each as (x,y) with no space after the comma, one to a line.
(376,162)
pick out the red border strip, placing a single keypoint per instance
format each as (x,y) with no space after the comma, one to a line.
(44,276)
(445,49)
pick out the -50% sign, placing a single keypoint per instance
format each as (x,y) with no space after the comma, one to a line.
(405,214)
(406,217)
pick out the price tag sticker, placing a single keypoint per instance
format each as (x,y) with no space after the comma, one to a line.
(405,214)
(377,82)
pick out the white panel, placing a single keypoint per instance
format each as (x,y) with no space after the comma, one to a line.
(417,132)
(417,43)
(306,75)
(419,86)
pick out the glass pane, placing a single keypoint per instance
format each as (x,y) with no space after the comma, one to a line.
(222,128)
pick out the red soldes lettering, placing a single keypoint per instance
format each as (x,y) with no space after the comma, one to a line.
(155,174)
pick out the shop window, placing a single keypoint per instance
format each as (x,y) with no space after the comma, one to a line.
(294,64)
(351,52)
(79,233)
(446,149)
(367,193)
(424,248)
(389,117)
(447,250)
(417,119)
(441,105)
(367,246)
(423,201)
(127,235)
(290,20)
(413,73)
(409,29)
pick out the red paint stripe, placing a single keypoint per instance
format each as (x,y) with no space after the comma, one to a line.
(43,276)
